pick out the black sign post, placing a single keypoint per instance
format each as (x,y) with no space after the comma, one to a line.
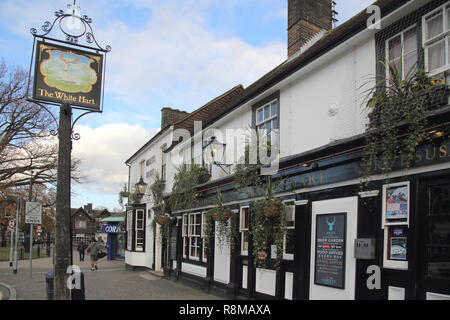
(69,75)
(330,250)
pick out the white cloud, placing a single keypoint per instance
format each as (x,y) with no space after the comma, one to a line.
(103,152)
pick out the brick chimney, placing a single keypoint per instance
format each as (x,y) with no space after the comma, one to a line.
(88,208)
(305,19)
(170,116)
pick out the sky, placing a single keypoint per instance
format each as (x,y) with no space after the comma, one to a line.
(171,53)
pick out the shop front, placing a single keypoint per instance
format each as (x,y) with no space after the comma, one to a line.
(115,237)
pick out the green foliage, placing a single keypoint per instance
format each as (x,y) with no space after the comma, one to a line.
(164,221)
(123,194)
(185,181)
(390,103)
(268,221)
(226,222)
(157,189)
(267,230)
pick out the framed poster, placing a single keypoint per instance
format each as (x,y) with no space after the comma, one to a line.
(330,250)
(397,198)
(398,248)
(67,75)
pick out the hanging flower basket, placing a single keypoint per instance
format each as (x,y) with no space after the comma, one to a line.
(161,220)
(271,208)
(221,215)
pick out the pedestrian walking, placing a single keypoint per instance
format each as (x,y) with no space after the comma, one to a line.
(94,249)
(81,247)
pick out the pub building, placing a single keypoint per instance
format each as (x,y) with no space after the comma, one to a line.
(388,239)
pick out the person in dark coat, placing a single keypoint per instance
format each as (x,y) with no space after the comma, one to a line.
(81,247)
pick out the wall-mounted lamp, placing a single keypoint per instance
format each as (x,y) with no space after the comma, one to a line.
(214,153)
(141,186)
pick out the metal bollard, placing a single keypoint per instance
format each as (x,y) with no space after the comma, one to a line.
(49,285)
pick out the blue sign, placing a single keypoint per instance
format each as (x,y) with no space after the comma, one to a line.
(110,228)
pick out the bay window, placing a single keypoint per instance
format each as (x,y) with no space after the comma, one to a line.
(135,227)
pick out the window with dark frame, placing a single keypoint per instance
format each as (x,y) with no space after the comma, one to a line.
(289,238)
(135,227)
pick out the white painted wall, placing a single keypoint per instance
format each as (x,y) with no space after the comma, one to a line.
(305,103)
(193,269)
(265,281)
(136,259)
(221,262)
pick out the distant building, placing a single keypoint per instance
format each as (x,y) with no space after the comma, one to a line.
(86,222)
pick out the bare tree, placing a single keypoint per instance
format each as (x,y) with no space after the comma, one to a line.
(26,145)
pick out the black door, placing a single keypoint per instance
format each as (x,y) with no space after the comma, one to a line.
(434,239)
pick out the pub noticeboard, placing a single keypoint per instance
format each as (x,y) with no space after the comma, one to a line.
(64,74)
(330,250)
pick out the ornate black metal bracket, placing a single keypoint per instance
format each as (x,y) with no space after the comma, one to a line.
(72,37)
(84,21)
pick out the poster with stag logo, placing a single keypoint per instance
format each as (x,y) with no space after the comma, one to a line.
(330,250)
(67,75)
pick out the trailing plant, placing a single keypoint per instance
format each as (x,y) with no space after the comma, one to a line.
(226,225)
(157,189)
(185,181)
(246,172)
(124,193)
(268,226)
(267,217)
(389,103)
(163,220)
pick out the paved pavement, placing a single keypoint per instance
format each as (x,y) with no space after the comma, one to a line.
(110,282)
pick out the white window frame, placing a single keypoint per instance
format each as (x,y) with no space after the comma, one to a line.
(81,224)
(445,35)
(141,248)
(202,234)
(386,224)
(288,256)
(273,134)
(403,54)
(242,229)
(190,235)
(184,232)
(163,162)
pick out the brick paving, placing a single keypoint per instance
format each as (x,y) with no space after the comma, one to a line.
(110,282)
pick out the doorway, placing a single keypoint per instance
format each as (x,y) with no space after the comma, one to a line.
(434,254)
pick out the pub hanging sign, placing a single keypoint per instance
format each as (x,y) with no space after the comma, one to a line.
(67,75)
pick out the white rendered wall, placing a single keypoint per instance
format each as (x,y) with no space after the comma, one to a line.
(305,123)
(135,259)
(221,262)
